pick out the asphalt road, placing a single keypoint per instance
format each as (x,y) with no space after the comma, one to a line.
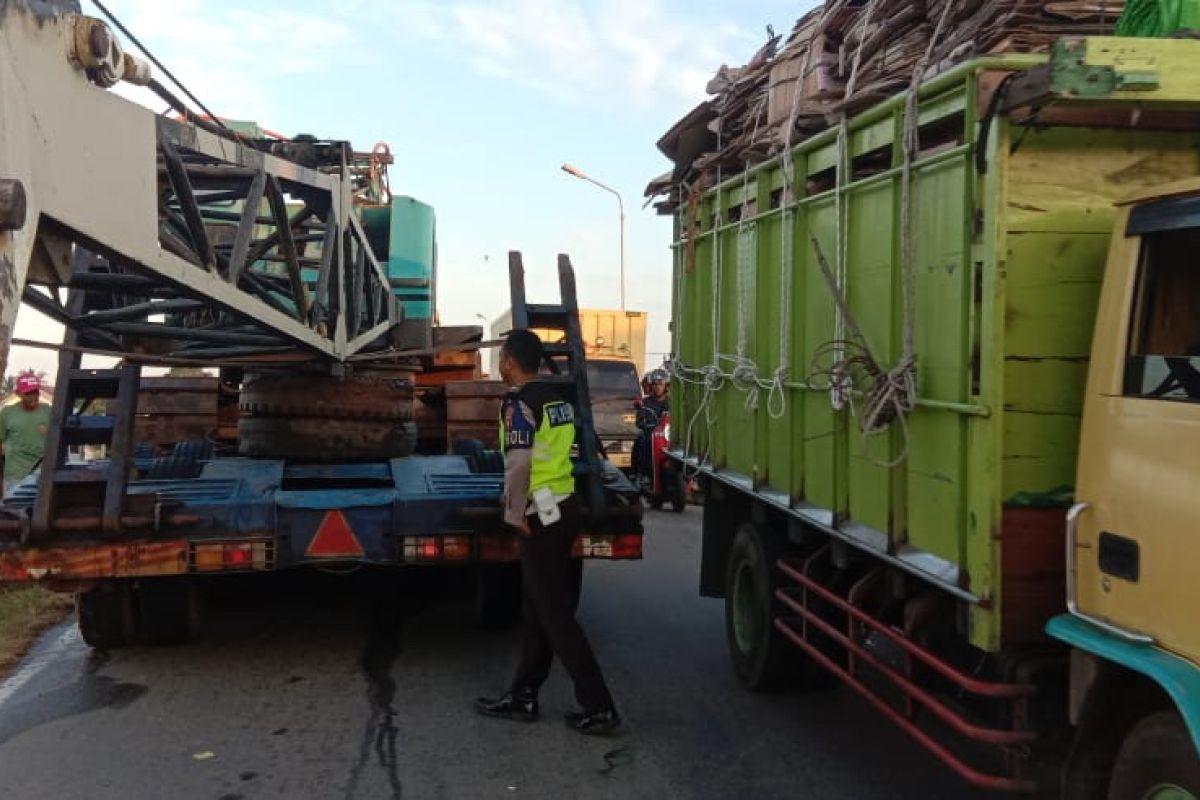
(349,688)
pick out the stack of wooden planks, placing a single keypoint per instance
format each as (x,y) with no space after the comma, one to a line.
(844,56)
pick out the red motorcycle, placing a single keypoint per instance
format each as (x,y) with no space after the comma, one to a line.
(661,479)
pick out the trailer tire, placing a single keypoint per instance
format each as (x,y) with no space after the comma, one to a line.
(497,596)
(763,659)
(481,460)
(323,438)
(1157,761)
(169,610)
(105,615)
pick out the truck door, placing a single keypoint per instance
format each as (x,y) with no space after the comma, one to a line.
(1137,540)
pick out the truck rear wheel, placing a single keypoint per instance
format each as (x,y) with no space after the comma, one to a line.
(105,615)
(169,610)
(763,658)
(1157,761)
(497,595)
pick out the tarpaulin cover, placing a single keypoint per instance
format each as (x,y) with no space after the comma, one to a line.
(1157,18)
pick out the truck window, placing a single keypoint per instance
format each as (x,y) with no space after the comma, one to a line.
(613,380)
(1164,348)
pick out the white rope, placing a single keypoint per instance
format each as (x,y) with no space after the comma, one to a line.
(889,395)
(847,365)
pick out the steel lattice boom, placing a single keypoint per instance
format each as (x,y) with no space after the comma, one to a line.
(178,237)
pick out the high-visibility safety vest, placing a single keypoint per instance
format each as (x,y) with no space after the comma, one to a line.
(537,418)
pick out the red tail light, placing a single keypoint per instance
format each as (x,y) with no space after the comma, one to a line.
(217,556)
(623,547)
(627,546)
(436,548)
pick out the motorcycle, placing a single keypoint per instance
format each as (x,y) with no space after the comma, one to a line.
(660,479)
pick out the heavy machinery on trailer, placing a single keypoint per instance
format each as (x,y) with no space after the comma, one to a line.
(1005,556)
(286,264)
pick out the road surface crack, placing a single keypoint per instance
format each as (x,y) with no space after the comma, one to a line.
(384,643)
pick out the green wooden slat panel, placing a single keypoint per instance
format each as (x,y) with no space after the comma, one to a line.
(772,466)
(872,292)
(1053,287)
(1039,452)
(816,453)
(942,283)
(935,483)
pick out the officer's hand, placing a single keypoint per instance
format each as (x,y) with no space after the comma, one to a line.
(523,528)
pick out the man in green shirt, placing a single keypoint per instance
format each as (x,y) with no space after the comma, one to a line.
(23,429)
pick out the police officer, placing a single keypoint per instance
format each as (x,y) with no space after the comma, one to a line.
(537,431)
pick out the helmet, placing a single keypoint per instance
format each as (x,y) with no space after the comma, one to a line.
(658,376)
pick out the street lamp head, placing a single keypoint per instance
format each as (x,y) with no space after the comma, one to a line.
(576,171)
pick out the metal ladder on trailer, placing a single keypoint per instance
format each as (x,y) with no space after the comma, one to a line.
(567,363)
(59,486)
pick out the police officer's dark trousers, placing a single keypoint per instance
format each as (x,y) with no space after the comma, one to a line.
(548,627)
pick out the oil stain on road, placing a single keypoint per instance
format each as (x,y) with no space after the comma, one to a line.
(389,608)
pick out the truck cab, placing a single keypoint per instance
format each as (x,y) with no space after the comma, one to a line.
(1132,560)
(615,393)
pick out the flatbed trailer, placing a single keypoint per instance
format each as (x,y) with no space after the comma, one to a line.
(289,268)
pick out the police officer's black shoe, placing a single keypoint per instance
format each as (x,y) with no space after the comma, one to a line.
(593,723)
(521,706)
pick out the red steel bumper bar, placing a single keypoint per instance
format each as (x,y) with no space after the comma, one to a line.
(795,628)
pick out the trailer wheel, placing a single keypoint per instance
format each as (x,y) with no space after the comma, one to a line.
(481,460)
(762,658)
(1157,761)
(497,595)
(105,615)
(169,610)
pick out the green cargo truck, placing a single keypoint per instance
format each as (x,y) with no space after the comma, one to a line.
(911,543)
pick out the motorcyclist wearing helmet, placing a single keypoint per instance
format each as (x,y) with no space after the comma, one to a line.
(656,385)
(655,403)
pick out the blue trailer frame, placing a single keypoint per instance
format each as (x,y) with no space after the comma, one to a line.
(413,510)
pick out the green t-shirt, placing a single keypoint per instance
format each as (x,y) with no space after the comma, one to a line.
(24,436)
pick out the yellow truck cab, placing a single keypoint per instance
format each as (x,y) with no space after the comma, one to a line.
(1133,563)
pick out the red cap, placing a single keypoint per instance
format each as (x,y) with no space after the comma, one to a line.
(28,383)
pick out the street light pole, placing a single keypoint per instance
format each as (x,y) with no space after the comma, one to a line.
(578,173)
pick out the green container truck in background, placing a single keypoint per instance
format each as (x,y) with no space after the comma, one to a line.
(935,547)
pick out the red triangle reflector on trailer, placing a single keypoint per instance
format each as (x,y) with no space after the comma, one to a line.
(334,538)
